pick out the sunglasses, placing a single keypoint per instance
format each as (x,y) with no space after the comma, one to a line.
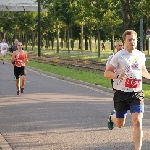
(19,45)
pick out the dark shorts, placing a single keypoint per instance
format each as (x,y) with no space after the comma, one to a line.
(124,101)
(19,71)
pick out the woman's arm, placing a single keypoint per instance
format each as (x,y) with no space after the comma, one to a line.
(26,59)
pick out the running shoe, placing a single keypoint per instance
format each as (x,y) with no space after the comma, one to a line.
(110,122)
(22,90)
(18,92)
(14,78)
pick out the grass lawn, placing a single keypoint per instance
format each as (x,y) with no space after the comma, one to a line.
(90,77)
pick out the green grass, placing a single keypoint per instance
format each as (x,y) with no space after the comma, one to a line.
(90,77)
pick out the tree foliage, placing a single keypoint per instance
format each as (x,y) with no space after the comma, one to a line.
(109,16)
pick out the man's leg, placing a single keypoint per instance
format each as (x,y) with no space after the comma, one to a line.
(2,57)
(4,54)
(137,110)
(117,118)
(137,132)
(119,122)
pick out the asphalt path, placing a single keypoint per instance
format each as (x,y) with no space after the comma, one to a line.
(55,113)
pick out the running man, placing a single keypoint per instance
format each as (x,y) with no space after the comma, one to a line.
(3,47)
(103,46)
(118,46)
(129,64)
(19,58)
(14,48)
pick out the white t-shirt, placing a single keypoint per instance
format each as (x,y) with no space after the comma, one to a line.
(3,46)
(131,64)
(115,81)
(109,59)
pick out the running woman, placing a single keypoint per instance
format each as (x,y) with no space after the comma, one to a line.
(19,58)
(129,64)
(3,47)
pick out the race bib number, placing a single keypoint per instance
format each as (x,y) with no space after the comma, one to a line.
(132,83)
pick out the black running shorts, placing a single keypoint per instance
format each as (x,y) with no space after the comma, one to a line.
(19,71)
(125,100)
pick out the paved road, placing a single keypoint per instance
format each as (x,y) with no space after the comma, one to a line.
(55,114)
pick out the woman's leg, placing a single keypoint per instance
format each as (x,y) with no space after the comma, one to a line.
(23,78)
(16,73)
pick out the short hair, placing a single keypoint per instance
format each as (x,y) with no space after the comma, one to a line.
(16,40)
(128,32)
(117,42)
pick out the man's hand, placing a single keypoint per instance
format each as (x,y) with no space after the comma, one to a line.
(122,75)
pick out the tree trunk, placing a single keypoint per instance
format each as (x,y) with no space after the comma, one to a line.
(126,14)
(52,40)
(72,41)
(41,41)
(52,43)
(79,42)
(90,40)
(72,44)
(86,43)
(47,41)
(68,37)
(33,37)
(82,39)
(57,39)
(112,41)
(65,38)
(61,43)
(26,41)
(98,33)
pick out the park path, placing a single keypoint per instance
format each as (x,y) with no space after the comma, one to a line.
(56,114)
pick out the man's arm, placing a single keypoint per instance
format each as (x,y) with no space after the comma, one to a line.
(11,49)
(145,73)
(109,72)
(6,45)
(109,59)
(13,58)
